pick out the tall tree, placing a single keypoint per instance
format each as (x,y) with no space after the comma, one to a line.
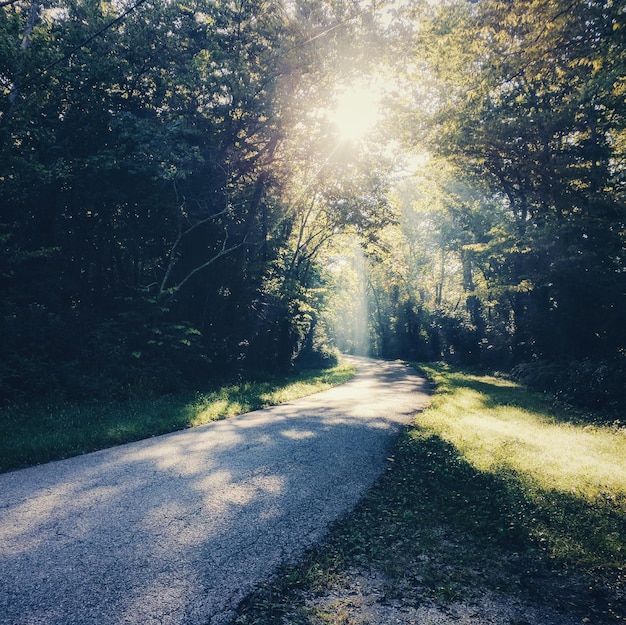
(147,150)
(530,102)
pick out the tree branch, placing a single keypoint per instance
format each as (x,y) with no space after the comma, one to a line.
(182,234)
(225,250)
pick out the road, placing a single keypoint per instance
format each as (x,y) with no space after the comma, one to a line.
(177,529)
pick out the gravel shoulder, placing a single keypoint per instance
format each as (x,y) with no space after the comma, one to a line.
(179,528)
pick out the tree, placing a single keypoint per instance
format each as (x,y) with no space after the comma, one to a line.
(529,104)
(149,221)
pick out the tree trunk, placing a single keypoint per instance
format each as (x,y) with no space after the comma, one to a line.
(28,32)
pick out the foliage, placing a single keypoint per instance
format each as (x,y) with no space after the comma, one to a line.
(174,161)
(33,433)
(477,498)
(509,242)
(588,384)
(149,231)
(538,123)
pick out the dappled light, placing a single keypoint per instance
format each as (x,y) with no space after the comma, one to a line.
(53,432)
(509,434)
(568,477)
(201,199)
(441,539)
(198,511)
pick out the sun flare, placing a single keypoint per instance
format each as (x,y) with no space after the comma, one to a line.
(357,110)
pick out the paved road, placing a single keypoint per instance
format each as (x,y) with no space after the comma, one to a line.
(178,529)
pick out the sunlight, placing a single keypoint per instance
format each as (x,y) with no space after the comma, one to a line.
(357,110)
(348,315)
(494,434)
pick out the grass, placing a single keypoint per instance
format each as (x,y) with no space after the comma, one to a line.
(570,475)
(492,489)
(33,434)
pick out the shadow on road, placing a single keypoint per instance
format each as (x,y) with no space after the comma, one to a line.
(178,528)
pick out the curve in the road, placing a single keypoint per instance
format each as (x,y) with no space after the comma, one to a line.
(178,529)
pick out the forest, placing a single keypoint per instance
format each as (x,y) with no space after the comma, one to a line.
(187,191)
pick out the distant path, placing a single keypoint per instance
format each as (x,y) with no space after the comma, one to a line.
(177,529)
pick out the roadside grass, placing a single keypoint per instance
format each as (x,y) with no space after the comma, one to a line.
(33,434)
(492,490)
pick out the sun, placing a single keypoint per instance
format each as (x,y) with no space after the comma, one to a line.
(357,110)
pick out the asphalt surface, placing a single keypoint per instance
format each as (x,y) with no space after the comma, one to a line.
(177,529)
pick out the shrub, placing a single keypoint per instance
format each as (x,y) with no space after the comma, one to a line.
(583,383)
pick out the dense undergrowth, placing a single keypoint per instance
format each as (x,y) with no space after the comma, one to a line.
(587,384)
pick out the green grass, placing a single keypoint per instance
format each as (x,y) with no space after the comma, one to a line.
(32,434)
(492,489)
(570,476)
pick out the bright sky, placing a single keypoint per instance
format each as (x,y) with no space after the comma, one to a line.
(357,110)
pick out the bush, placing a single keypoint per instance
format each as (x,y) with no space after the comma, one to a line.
(317,359)
(138,349)
(583,383)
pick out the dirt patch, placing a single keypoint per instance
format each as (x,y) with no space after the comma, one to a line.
(365,598)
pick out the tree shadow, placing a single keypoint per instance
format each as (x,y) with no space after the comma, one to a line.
(487,528)
(179,531)
(438,529)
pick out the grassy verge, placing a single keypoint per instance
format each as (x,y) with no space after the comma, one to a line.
(492,490)
(32,434)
